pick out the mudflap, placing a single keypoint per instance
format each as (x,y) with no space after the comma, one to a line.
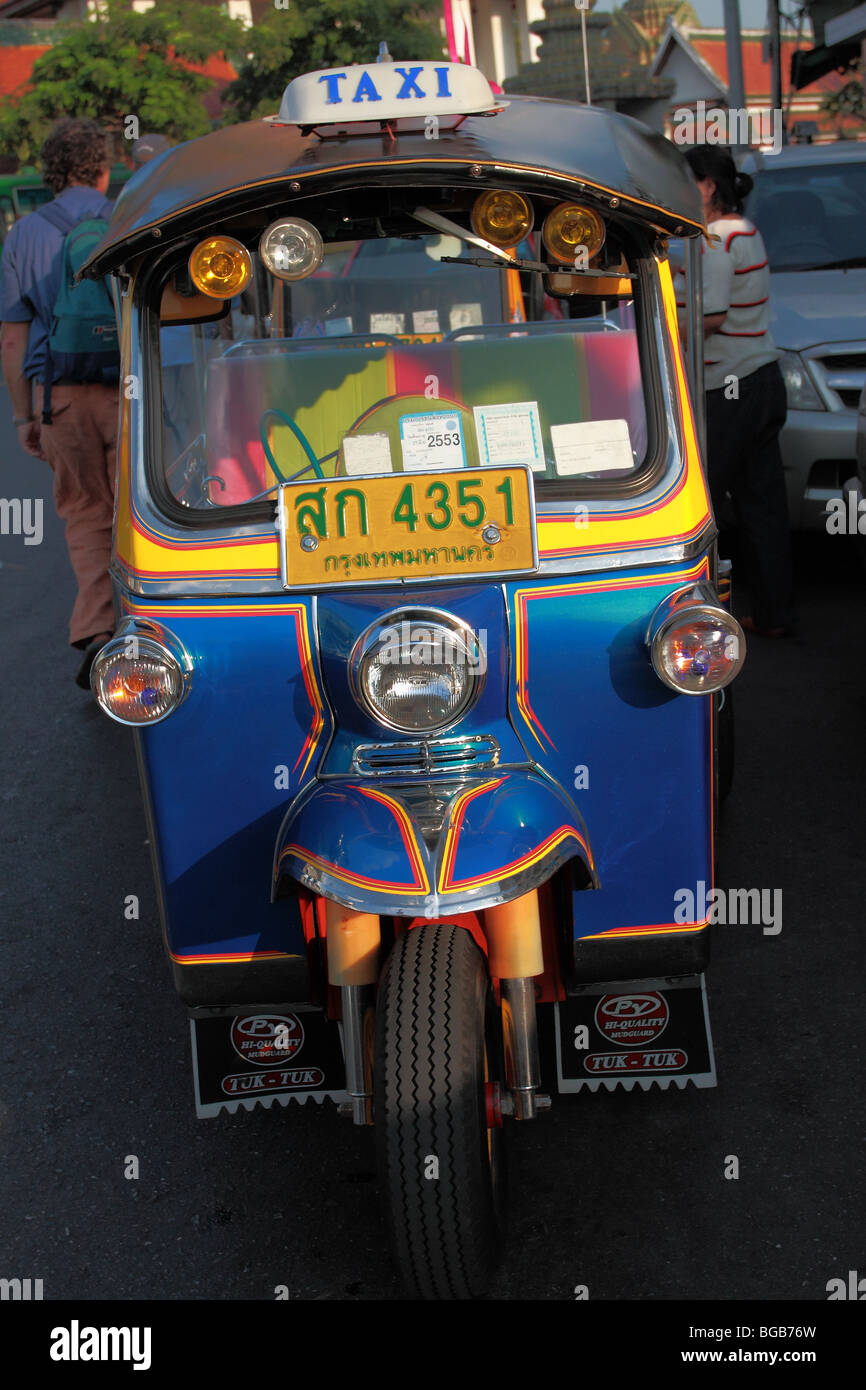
(293,1053)
(631,1033)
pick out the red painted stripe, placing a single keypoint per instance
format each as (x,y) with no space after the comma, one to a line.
(753,232)
(457,826)
(564,831)
(406,834)
(299,852)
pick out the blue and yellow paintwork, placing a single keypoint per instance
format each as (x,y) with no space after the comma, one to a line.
(602,769)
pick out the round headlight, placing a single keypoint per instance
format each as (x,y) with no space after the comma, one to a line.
(417,670)
(570,227)
(698,650)
(501,217)
(220,267)
(291,248)
(137,680)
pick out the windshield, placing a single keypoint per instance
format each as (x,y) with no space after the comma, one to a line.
(811,216)
(390,358)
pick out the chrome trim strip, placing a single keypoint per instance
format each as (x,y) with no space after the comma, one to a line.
(431,905)
(678,553)
(426,750)
(819,359)
(282,520)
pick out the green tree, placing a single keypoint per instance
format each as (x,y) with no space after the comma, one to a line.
(121,64)
(308,35)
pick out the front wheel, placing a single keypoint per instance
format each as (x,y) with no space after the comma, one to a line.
(436,1076)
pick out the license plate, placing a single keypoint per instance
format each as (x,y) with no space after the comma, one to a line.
(396,526)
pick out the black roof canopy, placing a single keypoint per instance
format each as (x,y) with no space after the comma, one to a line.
(532,144)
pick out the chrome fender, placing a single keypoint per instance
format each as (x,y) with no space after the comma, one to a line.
(427,849)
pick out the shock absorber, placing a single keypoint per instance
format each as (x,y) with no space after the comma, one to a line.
(353,950)
(515,955)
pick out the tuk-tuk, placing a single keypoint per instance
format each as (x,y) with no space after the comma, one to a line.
(419,622)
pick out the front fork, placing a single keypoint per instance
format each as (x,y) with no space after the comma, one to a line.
(515,958)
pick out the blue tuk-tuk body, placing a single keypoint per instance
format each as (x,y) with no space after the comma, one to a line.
(324,859)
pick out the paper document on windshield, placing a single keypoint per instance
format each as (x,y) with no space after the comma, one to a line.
(432,441)
(465,316)
(387,323)
(509,434)
(364,454)
(591,446)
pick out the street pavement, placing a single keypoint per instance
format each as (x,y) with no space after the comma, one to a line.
(623,1193)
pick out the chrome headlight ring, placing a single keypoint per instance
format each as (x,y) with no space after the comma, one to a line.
(708,667)
(416,648)
(136,641)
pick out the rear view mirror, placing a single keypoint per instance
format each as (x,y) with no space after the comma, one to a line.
(190,308)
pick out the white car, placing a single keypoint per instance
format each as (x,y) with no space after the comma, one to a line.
(809,204)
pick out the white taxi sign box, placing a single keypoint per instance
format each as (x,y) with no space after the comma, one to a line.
(386,91)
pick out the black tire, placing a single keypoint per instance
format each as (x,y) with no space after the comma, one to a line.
(435,1026)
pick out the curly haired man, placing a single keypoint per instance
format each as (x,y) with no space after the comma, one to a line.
(79,443)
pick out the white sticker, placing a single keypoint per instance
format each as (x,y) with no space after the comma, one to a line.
(465,316)
(432,441)
(367,453)
(591,446)
(425,320)
(338,328)
(509,434)
(387,323)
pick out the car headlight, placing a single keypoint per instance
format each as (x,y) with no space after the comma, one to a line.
(696,645)
(799,386)
(417,670)
(141,675)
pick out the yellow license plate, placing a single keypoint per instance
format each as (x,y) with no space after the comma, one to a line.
(474,521)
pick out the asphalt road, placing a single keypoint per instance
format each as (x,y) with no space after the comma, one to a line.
(623,1193)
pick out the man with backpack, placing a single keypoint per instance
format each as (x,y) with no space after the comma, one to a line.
(58,341)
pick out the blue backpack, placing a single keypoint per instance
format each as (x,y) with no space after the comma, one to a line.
(83,343)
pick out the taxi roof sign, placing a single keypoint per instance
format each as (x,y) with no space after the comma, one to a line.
(386,91)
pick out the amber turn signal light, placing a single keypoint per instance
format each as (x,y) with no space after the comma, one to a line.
(221,267)
(571,229)
(502,218)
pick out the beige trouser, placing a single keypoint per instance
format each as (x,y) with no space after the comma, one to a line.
(81,446)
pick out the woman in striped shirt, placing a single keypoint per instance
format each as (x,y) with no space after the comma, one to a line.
(746,403)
